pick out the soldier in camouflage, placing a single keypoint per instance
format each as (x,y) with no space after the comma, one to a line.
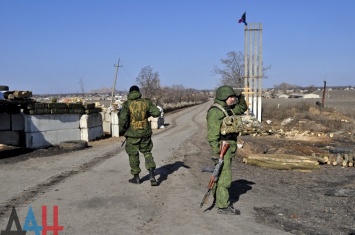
(134,125)
(222,127)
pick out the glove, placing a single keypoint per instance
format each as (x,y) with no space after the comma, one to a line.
(238,93)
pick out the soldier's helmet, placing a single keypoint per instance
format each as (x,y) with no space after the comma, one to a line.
(224,92)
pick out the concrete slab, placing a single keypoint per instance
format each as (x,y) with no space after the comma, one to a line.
(115,130)
(90,120)
(51,122)
(43,139)
(106,125)
(92,133)
(17,122)
(5,121)
(114,118)
(10,138)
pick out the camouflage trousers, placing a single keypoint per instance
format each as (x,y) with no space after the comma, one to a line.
(221,189)
(136,145)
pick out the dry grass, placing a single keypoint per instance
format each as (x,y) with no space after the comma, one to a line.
(337,115)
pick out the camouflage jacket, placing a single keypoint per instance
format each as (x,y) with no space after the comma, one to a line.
(133,117)
(215,118)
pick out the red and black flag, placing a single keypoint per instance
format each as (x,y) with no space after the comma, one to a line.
(243,19)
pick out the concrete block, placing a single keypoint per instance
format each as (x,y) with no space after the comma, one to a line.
(90,120)
(106,116)
(10,138)
(51,122)
(106,126)
(35,140)
(17,122)
(156,123)
(115,130)
(5,121)
(114,118)
(93,133)
(102,115)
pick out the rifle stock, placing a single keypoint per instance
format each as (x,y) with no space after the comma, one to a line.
(214,178)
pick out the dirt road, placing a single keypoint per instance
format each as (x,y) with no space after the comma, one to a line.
(91,189)
(93,196)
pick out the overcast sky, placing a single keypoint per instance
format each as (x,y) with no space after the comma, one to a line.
(49,46)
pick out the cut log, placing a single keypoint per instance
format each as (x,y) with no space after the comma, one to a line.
(351,159)
(331,158)
(285,158)
(326,159)
(278,165)
(322,160)
(345,160)
(18,94)
(338,160)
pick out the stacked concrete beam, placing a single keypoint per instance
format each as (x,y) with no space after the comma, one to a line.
(106,122)
(50,129)
(110,123)
(91,126)
(114,124)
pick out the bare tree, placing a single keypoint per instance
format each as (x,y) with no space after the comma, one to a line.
(178,94)
(149,82)
(233,71)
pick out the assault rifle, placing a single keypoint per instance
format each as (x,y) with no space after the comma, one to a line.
(216,172)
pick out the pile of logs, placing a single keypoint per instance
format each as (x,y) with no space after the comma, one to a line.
(61,108)
(283,161)
(337,156)
(17,95)
(340,157)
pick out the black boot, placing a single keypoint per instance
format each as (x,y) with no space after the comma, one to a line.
(135,180)
(153,181)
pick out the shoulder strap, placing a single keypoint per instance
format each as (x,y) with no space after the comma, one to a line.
(221,108)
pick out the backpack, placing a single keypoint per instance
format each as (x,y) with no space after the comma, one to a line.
(230,124)
(138,114)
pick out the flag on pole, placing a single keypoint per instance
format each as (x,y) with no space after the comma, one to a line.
(243,19)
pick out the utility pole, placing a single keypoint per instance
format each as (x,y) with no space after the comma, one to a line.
(114,84)
(325,86)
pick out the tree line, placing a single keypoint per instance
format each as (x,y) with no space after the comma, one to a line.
(231,73)
(150,87)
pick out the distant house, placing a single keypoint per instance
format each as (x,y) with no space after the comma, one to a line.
(283,96)
(311,96)
(296,95)
(303,96)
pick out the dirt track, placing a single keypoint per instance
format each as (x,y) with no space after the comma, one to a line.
(289,201)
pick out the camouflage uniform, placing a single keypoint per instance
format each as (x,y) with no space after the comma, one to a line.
(215,118)
(134,125)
